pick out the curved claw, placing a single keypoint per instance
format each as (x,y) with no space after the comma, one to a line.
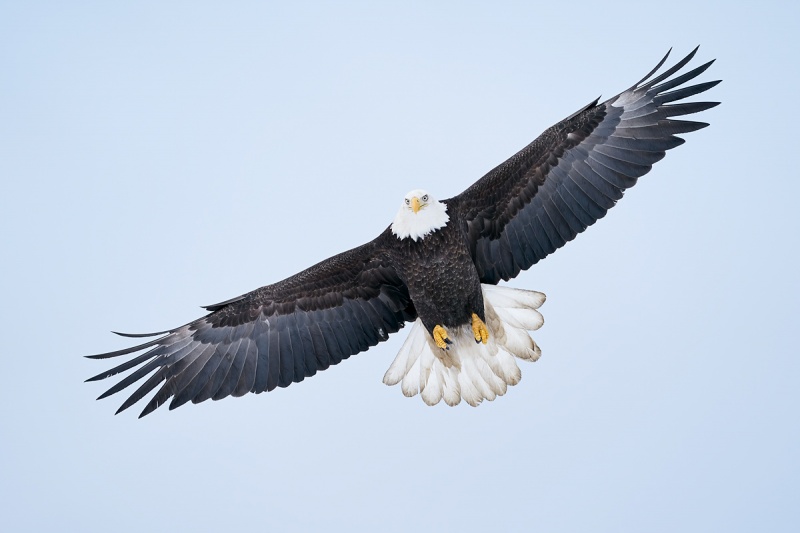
(440,337)
(479,329)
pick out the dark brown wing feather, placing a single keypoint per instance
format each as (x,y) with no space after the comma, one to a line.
(568,178)
(273,336)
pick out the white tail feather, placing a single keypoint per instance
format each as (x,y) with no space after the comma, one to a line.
(468,370)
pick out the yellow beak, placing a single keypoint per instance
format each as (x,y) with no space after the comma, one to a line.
(415,204)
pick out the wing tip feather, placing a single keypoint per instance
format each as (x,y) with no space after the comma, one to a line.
(653,71)
(140,335)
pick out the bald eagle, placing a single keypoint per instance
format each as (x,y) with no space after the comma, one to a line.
(437,265)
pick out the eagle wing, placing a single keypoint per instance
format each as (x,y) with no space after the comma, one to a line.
(273,336)
(565,180)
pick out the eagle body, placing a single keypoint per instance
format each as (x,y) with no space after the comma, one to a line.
(441,277)
(437,266)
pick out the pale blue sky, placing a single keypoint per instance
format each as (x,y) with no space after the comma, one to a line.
(156,156)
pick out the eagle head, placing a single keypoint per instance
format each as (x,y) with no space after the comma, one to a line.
(419,214)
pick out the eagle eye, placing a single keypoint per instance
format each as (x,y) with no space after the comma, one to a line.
(408,201)
(425,198)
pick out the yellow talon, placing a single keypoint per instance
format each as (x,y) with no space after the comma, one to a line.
(479,329)
(440,337)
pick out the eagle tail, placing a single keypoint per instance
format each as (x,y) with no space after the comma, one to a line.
(468,370)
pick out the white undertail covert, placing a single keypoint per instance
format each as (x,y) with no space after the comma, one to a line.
(468,370)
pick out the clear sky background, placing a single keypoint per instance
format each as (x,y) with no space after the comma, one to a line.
(156,156)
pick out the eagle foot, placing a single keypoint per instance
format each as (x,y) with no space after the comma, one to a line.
(440,337)
(479,329)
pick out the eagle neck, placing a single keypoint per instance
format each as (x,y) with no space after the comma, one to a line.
(415,226)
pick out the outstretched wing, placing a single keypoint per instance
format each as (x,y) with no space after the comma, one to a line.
(273,336)
(568,178)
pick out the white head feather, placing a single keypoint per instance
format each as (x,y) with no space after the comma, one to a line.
(430,215)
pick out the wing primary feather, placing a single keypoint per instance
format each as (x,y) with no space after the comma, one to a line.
(234,372)
(199,388)
(139,335)
(226,354)
(193,378)
(685,92)
(132,378)
(635,157)
(655,69)
(687,108)
(151,383)
(197,380)
(625,168)
(674,127)
(683,78)
(604,180)
(126,365)
(645,145)
(126,351)
(199,361)
(669,72)
(168,388)
(159,399)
